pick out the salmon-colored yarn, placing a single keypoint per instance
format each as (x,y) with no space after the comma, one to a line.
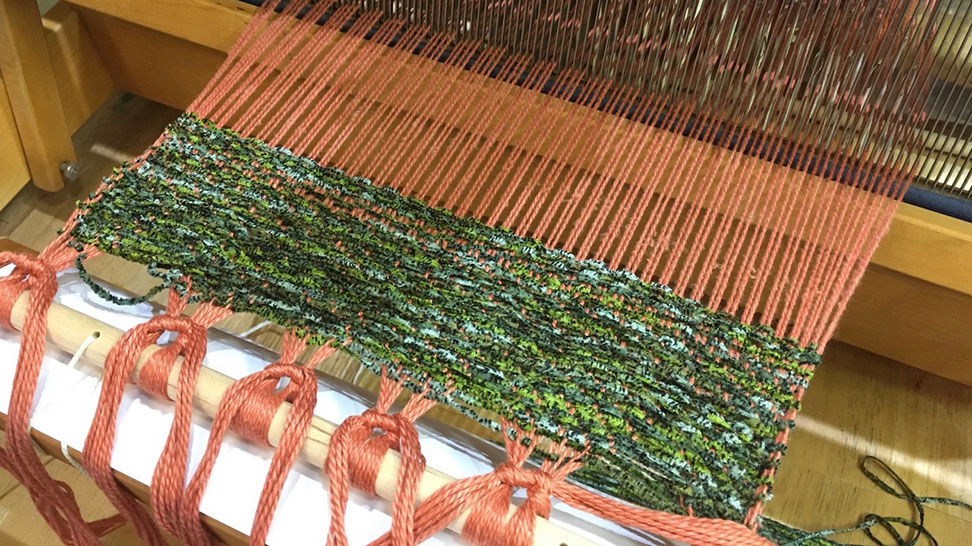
(355,457)
(248,407)
(487,498)
(170,473)
(54,499)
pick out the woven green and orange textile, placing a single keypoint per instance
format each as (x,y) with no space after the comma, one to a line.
(682,409)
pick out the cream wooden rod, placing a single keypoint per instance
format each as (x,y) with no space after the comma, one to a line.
(68,329)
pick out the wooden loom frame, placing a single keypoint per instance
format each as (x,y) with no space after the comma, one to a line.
(165,51)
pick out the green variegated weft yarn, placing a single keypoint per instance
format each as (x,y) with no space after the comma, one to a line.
(682,408)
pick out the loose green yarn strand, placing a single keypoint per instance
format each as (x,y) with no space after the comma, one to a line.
(789,536)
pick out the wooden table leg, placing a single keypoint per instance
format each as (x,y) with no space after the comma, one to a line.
(25,64)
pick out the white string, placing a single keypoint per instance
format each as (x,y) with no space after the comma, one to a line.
(73,363)
(256,328)
(71,460)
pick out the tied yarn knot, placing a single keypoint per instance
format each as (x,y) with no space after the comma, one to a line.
(169,476)
(355,457)
(357,433)
(37,275)
(487,498)
(489,523)
(248,408)
(190,344)
(30,273)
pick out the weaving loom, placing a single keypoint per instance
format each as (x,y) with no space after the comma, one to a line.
(616,234)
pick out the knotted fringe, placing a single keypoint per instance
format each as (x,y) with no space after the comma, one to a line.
(487,497)
(356,454)
(54,499)
(170,473)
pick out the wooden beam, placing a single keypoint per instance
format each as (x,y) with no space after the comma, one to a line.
(83,82)
(13,166)
(912,321)
(32,89)
(214,24)
(83,85)
(148,62)
(928,246)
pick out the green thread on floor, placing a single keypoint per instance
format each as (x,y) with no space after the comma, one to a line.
(681,406)
(903,531)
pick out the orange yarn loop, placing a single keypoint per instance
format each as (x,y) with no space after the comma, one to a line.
(253,418)
(170,472)
(248,408)
(54,499)
(355,457)
(302,394)
(153,377)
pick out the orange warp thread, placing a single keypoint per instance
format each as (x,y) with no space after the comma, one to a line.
(54,499)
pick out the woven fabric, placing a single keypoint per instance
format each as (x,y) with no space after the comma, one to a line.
(682,408)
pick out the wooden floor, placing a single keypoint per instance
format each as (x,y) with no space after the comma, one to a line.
(858,403)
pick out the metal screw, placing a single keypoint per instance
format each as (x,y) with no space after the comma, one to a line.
(70,171)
